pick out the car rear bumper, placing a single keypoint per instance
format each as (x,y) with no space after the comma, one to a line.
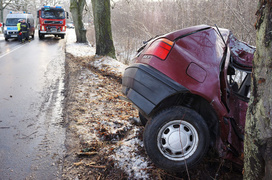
(146,87)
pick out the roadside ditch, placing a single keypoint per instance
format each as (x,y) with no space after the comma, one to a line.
(100,124)
(103,133)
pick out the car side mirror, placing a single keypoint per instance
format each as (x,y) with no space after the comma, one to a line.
(67,15)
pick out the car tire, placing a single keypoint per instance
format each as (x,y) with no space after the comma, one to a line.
(142,119)
(165,134)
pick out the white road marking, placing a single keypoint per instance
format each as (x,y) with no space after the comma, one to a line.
(16,47)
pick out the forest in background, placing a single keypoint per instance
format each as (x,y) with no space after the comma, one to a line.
(136,21)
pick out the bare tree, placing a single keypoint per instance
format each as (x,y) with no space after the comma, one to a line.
(144,19)
(258,142)
(76,8)
(19,5)
(102,24)
(30,6)
(3,5)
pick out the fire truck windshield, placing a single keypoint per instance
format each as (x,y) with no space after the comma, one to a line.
(53,14)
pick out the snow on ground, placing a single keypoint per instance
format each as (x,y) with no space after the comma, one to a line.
(2,37)
(77,49)
(125,153)
(126,158)
(86,50)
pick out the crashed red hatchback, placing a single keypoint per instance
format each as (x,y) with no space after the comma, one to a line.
(192,89)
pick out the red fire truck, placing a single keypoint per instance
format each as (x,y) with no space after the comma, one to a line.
(52,21)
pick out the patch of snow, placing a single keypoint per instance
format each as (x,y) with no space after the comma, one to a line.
(125,154)
(86,50)
(2,37)
(109,64)
(77,49)
(125,157)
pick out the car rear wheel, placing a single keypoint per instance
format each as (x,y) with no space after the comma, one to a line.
(175,138)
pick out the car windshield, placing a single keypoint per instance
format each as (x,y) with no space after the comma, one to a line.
(53,14)
(12,21)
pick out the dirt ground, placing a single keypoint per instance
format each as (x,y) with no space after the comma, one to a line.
(100,121)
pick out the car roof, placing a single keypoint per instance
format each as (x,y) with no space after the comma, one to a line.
(242,53)
(19,16)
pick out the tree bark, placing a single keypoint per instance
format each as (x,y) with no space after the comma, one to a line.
(102,24)
(76,8)
(258,139)
(2,11)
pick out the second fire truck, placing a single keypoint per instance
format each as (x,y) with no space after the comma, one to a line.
(52,21)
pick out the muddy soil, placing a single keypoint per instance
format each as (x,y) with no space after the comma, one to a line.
(99,120)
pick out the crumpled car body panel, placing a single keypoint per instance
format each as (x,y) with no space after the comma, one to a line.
(201,61)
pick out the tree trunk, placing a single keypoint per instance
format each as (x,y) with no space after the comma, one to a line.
(2,11)
(258,141)
(76,8)
(102,23)
(3,5)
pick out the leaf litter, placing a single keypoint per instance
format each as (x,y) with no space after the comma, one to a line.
(100,121)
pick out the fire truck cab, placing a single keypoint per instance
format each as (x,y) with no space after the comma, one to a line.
(52,21)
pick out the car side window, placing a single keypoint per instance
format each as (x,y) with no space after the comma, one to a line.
(239,81)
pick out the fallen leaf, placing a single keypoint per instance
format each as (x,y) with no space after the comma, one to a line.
(78,163)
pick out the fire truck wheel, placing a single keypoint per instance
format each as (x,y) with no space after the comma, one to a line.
(41,36)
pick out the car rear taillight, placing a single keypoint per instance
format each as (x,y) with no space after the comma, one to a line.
(160,48)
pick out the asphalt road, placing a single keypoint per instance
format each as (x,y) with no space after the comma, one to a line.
(31,95)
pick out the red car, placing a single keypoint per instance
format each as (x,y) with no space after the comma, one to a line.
(192,89)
